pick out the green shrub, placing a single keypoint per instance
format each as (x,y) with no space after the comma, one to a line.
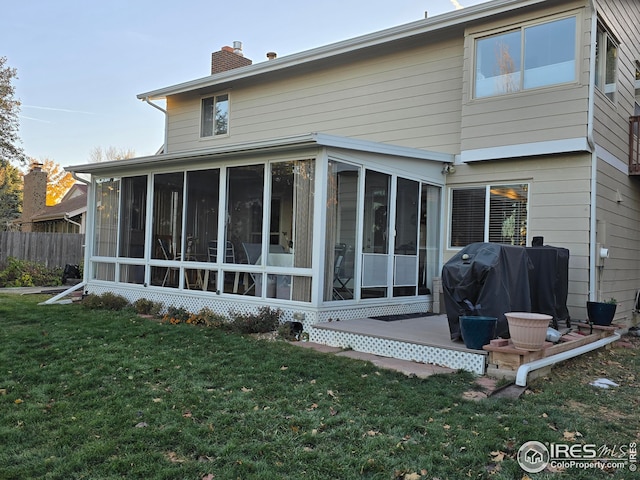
(266,320)
(106,301)
(208,317)
(147,307)
(176,315)
(24,273)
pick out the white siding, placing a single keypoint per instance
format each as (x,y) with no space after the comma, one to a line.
(538,115)
(558,207)
(410,97)
(612,118)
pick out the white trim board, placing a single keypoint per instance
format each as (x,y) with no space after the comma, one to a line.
(567,145)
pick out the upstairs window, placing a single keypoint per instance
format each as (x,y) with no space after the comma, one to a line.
(495,213)
(527,57)
(606,63)
(215,116)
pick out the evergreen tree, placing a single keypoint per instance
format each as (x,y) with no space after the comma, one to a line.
(10,196)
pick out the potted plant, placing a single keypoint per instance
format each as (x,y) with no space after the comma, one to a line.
(476,329)
(528,330)
(602,313)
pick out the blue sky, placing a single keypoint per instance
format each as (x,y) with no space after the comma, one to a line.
(81,63)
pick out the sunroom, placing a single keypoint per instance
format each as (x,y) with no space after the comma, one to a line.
(317,225)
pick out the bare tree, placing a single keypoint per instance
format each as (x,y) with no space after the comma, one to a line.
(109,154)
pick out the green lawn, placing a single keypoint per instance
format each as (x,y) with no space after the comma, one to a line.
(100,394)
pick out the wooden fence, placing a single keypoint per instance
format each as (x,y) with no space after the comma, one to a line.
(50,249)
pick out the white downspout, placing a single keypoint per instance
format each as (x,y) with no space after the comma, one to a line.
(87,229)
(166,121)
(523,370)
(594,155)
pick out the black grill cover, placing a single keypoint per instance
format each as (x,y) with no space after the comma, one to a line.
(549,281)
(486,279)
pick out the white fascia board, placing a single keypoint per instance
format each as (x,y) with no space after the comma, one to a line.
(568,145)
(381,148)
(276,144)
(420,27)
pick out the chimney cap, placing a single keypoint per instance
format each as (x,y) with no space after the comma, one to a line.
(272,55)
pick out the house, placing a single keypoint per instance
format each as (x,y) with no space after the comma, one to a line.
(334,183)
(67,216)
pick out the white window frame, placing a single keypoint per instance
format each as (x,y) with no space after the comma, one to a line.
(519,76)
(604,37)
(487,209)
(202,113)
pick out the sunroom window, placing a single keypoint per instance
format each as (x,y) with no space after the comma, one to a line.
(495,213)
(527,57)
(215,116)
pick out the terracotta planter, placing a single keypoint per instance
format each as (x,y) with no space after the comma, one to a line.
(600,313)
(528,330)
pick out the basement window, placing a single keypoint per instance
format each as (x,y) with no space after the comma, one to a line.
(215,116)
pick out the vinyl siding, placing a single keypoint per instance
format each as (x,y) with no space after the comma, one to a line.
(410,97)
(558,207)
(536,115)
(611,125)
(619,230)
(618,223)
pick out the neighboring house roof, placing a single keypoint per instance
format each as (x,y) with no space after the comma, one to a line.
(72,204)
(406,32)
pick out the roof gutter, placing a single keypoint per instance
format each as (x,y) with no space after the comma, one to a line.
(166,120)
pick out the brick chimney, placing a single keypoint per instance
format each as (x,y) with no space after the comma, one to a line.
(34,195)
(228,58)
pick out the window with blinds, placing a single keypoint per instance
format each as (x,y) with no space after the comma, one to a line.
(496,213)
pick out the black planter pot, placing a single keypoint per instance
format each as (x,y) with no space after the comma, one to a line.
(600,313)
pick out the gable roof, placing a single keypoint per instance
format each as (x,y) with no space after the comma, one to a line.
(73,203)
(310,58)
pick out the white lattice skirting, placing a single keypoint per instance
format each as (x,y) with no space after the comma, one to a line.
(456,359)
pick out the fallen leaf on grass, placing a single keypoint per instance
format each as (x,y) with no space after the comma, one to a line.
(571,436)
(157,400)
(209,476)
(312,407)
(187,414)
(18,401)
(497,456)
(245,389)
(142,425)
(412,476)
(3,391)
(332,412)
(331,394)
(173,458)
